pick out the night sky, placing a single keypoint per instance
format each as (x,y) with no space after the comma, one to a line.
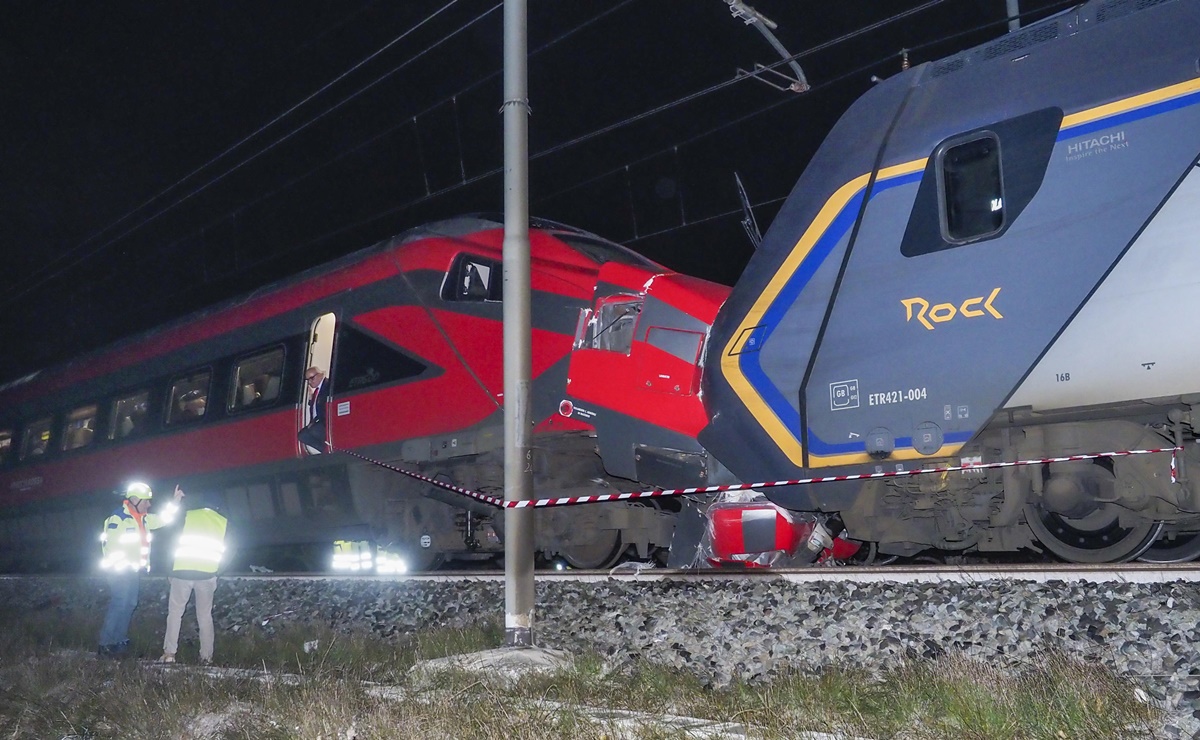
(161,157)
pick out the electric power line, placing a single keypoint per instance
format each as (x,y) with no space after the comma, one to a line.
(768,201)
(38,283)
(593,134)
(466,181)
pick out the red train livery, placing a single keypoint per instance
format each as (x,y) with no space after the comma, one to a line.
(409,333)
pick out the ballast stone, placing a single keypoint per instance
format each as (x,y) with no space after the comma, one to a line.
(749,631)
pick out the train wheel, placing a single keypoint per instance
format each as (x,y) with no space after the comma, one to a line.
(1095,538)
(1183,548)
(601,551)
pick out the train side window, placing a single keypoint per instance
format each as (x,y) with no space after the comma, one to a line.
(255,380)
(189,397)
(129,414)
(36,440)
(474,279)
(5,445)
(611,325)
(364,361)
(978,183)
(972,189)
(80,427)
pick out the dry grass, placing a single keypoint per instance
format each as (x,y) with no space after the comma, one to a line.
(52,686)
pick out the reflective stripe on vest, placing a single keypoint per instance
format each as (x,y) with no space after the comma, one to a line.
(352,556)
(201,544)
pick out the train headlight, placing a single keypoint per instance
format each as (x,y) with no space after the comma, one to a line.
(389,563)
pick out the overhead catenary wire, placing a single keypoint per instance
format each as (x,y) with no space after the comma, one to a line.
(436,193)
(491,173)
(245,139)
(433,194)
(774,65)
(464,180)
(38,283)
(862,69)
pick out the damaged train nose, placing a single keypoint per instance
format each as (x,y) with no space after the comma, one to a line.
(635,373)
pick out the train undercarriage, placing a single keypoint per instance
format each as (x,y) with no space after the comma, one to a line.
(428,525)
(1113,508)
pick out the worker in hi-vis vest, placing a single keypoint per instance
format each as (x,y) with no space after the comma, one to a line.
(125,540)
(199,550)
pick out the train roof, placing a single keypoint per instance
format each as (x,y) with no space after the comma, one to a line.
(1069,22)
(452,228)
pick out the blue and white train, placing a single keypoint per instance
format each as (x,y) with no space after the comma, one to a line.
(993,257)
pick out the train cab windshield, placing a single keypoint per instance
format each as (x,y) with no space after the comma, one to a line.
(610,326)
(474,279)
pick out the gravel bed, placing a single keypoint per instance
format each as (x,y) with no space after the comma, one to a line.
(749,629)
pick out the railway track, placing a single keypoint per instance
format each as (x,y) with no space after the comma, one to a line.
(1039,573)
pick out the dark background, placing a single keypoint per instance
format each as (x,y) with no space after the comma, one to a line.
(160,157)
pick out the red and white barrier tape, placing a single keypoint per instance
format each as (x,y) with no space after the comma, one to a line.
(662,493)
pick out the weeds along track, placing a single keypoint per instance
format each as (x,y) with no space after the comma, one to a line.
(1137,621)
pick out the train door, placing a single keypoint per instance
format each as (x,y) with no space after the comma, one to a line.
(318,354)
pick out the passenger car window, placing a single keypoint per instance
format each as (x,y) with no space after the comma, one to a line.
(79,428)
(37,438)
(189,397)
(364,361)
(130,414)
(255,380)
(972,189)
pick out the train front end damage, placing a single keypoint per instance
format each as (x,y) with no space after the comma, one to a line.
(634,377)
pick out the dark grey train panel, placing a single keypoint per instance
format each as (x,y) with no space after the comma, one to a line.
(952,225)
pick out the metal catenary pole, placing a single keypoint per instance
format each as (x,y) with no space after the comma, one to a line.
(518,467)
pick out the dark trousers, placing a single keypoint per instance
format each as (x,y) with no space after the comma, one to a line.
(313,435)
(123,599)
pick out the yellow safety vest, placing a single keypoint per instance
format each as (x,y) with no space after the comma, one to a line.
(352,556)
(201,543)
(125,539)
